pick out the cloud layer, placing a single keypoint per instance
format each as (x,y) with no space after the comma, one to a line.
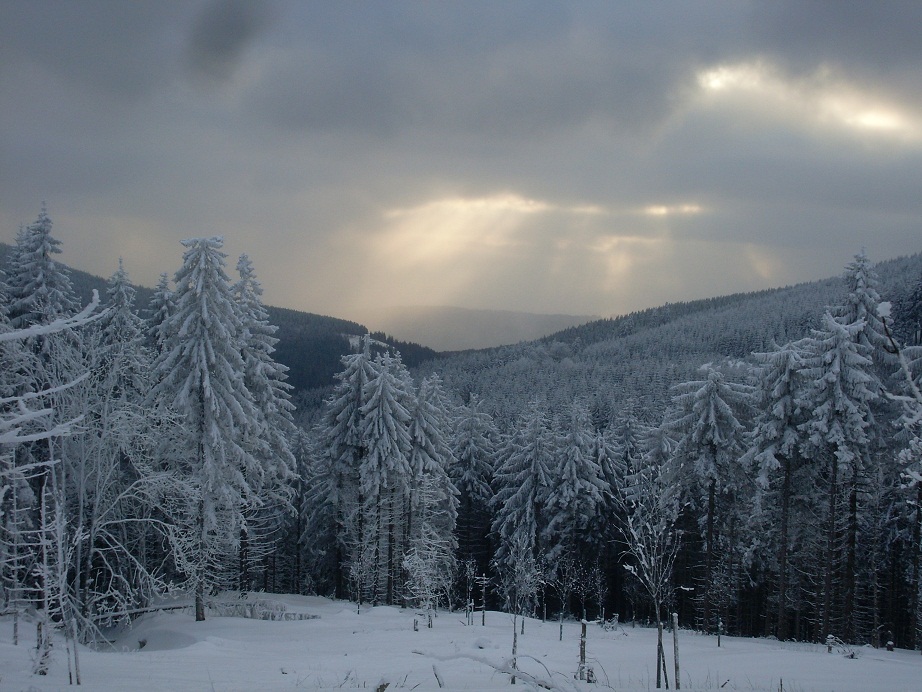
(540,156)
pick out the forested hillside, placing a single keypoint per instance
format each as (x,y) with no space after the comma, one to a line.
(639,356)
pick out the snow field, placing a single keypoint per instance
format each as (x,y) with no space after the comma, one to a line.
(344,650)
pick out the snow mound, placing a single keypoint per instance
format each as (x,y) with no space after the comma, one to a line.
(156,640)
(156,633)
(382,612)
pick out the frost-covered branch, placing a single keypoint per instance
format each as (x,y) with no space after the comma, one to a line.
(83,317)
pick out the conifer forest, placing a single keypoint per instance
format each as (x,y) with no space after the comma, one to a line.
(752,463)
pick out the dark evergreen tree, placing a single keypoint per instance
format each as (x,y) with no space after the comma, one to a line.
(474,447)
(707,424)
(522,481)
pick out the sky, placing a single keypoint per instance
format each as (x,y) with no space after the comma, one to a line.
(549,157)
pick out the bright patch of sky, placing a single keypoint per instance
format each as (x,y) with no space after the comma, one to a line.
(822,98)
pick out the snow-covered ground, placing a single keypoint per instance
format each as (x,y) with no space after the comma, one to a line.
(341,649)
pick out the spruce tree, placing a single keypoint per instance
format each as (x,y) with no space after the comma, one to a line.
(430,459)
(343,439)
(474,449)
(707,461)
(842,388)
(523,478)
(199,379)
(158,313)
(576,496)
(274,427)
(40,289)
(385,476)
(775,450)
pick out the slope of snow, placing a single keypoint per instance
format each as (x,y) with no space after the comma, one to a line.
(341,649)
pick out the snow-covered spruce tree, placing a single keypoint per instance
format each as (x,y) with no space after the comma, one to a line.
(839,397)
(909,397)
(609,456)
(522,480)
(861,305)
(433,503)
(198,375)
(707,465)
(274,431)
(911,485)
(40,290)
(775,452)
(474,447)
(342,432)
(385,476)
(625,438)
(160,308)
(576,498)
(318,556)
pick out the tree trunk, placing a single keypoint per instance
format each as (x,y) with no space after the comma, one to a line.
(515,645)
(391,553)
(916,626)
(782,631)
(708,556)
(850,557)
(830,549)
(200,576)
(675,648)
(242,581)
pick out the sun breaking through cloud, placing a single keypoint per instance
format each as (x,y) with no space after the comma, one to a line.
(822,98)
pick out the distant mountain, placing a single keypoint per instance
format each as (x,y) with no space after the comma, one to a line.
(310,345)
(446,328)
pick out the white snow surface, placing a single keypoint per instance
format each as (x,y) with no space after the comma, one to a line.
(342,650)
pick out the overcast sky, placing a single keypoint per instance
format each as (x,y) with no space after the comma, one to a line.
(555,157)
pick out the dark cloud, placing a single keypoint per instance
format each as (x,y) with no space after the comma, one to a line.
(222,33)
(117,50)
(504,71)
(295,128)
(867,36)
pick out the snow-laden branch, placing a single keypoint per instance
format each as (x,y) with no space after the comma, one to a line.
(83,317)
(897,350)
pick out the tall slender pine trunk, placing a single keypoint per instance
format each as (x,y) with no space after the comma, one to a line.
(200,571)
(708,556)
(851,547)
(782,631)
(916,631)
(829,567)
